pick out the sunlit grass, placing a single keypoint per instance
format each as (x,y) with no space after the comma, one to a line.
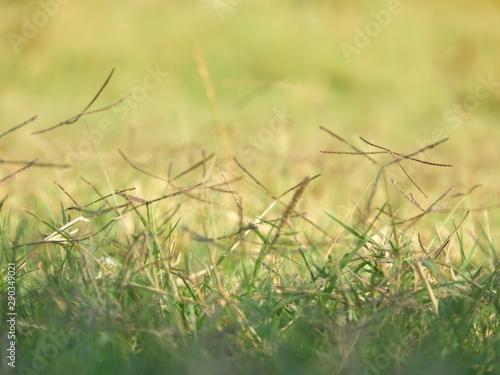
(166,285)
(193,262)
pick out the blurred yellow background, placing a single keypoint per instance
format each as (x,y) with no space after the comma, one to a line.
(401,74)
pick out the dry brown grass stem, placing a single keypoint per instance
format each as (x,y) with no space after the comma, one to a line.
(210,92)
(194,166)
(397,158)
(137,168)
(85,111)
(411,198)
(290,208)
(35,164)
(268,193)
(418,267)
(8,177)
(131,198)
(410,156)
(26,164)
(441,247)
(257,91)
(186,171)
(19,126)
(357,150)
(259,184)
(67,194)
(434,207)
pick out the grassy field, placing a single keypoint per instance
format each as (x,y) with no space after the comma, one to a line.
(257,188)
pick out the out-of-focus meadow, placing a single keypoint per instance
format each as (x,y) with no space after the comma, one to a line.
(307,278)
(392,72)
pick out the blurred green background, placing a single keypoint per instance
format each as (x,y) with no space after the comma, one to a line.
(414,62)
(401,74)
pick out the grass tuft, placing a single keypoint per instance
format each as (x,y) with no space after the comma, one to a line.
(264,298)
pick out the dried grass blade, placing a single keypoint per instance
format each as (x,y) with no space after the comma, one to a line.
(191,188)
(109,106)
(201,162)
(469,192)
(447,240)
(412,180)
(299,185)
(290,208)
(255,92)
(67,194)
(431,208)
(100,90)
(421,245)
(8,177)
(354,153)
(131,197)
(410,198)
(239,205)
(410,156)
(84,112)
(396,160)
(41,165)
(376,146)
(137,168)
(445,194)
(347,143)
(103,198)
(210,92)
(428,286)
(74,119)
(266,190)
(19,126)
